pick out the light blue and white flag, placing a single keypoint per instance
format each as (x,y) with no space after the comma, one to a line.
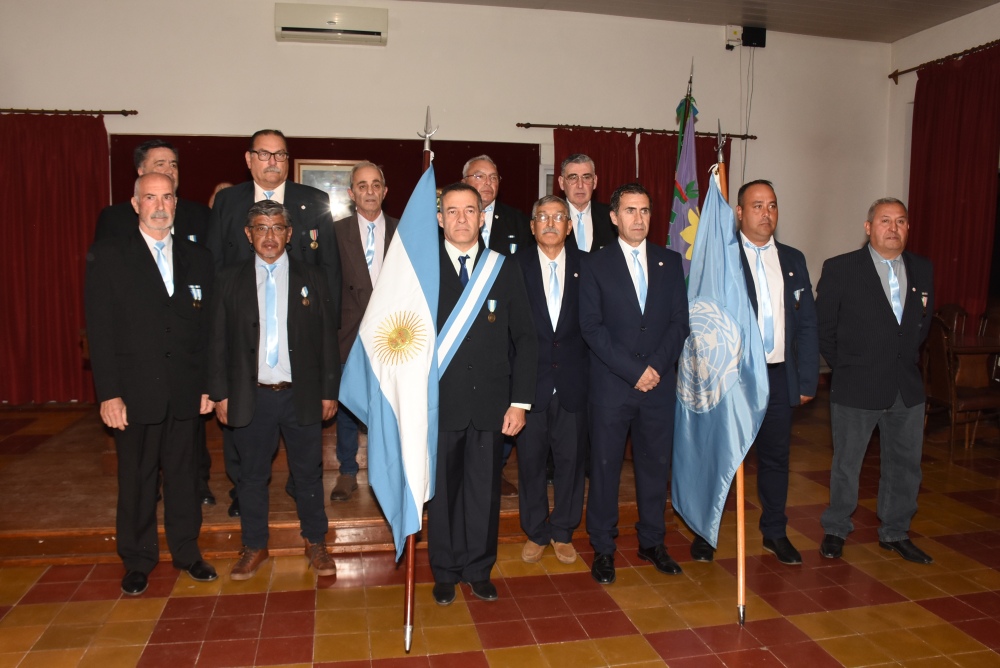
(722,388)
(390,381)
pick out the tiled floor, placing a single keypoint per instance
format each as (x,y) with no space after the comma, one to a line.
(869,609)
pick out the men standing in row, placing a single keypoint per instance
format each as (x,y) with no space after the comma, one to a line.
(265,308)
(777,282)
(875,305)
(634,318)
(147,329)
(363,238)
(557,423)
(483,396)
(592,228)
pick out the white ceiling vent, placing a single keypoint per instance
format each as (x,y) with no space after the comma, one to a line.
(325,23)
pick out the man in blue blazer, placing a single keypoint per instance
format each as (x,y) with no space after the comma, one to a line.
(786,315)
(634,317)
(557,422)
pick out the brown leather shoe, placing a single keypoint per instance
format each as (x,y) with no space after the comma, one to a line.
(565,552)
(320,560)
(346,484)
(250,561)
(507,488)
(532,552)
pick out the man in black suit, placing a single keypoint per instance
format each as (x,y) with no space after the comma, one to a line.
(190,222)
(484,394)
(592,228)
(875,306)
(147,333)
(634,318)
(265,308)
(557,423)
(777,281)
(363,239)
(314,241)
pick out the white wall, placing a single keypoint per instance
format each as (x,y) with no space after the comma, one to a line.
(820,106)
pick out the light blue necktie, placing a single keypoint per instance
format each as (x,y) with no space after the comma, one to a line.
(271,313)
(553,293)
(463,272)
(370,247)
(268,194)
(897,305)
(765,297)
(581,233)
(168,280)
(641,278)
(486,229)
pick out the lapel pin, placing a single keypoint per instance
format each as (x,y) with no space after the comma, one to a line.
(195,295)
(302,207)
(791,273)
(576,275)
(305,296)
(491,304)
(660,263)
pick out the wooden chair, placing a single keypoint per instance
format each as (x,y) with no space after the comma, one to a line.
(954,317)
(989,325)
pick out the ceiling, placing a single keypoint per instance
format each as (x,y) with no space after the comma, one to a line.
(866,20)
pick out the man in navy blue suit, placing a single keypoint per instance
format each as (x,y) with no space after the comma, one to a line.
(634,317)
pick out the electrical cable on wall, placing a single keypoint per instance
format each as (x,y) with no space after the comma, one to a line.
(745,120)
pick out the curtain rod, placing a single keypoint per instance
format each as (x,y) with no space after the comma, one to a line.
(955,56)
(636,130)
(71,112)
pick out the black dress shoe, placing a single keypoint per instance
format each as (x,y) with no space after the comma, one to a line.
(234,508)
(201,571)
(134,583)
(444,593)
(603,569)
(701,550)
(907,550)
(783,549)
(206,498)
(832,546)
(484,590)
(658,556)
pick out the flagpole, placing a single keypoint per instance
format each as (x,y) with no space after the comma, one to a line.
(410,586)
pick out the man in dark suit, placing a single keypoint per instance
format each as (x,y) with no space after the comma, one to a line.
(190,222)
(778,284)
(314,241)
(592,228)
(265,308)
(484,394)
(634,317)
(363,238)
(875,306)
(147,333)
(557,423)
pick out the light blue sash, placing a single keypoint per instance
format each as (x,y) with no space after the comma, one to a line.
(468,306)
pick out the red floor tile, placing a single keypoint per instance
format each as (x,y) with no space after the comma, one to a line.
(402,662)
(346,664)
(350,573)
(750,658)
(986,631)
(607,624)
(56,592)
(240,604)
(4,609)
(159,588)
(834,598)
(792,603)
(671,645)
(534,585)
(777,631)
(242,627)
(505,634)
(544,606)
(951,609)
(66,573)
(708,661)
(806,653)
(987,602)
(98,590)
(279,651)
(282,624)
(768,583)
(575,582)
(169,656)
(461,660)
(381,569)
(875,593)
(501,610)
(556,629)
(227,653)
(194,607)
(727,638)
(290,601)
(171,631)
(583,603)
(107,572)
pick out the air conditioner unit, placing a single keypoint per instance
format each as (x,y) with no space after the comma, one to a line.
(325,23)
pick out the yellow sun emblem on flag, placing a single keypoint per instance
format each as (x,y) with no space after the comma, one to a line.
(691,231)
(399,337)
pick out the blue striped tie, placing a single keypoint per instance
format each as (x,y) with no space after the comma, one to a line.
(271,313)
(370,247)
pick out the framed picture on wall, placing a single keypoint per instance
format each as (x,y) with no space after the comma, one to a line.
(332,177)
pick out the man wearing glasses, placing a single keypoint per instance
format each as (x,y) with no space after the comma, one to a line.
(314,241)
(504,227)
(592,228)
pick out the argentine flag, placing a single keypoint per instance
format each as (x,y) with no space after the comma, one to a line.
(390,381)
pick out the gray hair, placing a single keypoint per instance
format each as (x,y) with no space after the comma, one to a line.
(361,165)
(879,202)
(135,189)
(577,159)
(465,167)
(270,209)
(548,199)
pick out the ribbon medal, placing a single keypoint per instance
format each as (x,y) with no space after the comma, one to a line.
(314,235)
(305,296)
(491,304)
(196,295)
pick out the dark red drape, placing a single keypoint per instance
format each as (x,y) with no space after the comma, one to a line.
(55,184)
(657,164)
(613,154)
(953,174)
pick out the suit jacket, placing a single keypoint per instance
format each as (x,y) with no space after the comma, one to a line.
(235,338)
(562,354)
(801,342)
(604,230)
(873,357)
(482,380)
(510,226)
(120,220)
(310,211)
(624,340)
(356,281)
(146,346)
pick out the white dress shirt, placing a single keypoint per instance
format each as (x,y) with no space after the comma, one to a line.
(630,261)
(168,251)
(379,242)
(776,289)
(588,226)
(282,371)
(277,196)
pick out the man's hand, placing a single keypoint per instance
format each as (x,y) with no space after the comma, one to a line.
(803,400)
(329,409)
(222,411)
(207,405)
(648,380)
(513,421)
(113,413)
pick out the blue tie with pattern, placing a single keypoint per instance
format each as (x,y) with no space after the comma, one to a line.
(553,293)
(271,313)
(268,194)
(765,298)
(370,247)
(641,279)
(897,305)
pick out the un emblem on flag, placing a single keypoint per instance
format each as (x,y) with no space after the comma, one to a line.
(709,363)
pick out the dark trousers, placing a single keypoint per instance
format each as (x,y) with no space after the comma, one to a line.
(202,456)
(562,433)
(231,457)
(772,446)
(652,428)
(256,444)
(463,517)
(143,450)
(347,440)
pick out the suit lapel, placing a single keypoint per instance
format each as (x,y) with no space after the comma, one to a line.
(145,267)
(620,266)
(570,289)
(869,274)
(355,255)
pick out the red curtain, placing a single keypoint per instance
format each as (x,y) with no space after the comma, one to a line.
(613,154)
(55,185)
(953,175)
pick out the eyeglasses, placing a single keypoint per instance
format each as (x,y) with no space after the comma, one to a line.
(264,156)
(544,218)
(573,178)
(262,230)
(479,177)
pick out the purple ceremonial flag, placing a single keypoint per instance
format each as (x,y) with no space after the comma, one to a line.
(684,213)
